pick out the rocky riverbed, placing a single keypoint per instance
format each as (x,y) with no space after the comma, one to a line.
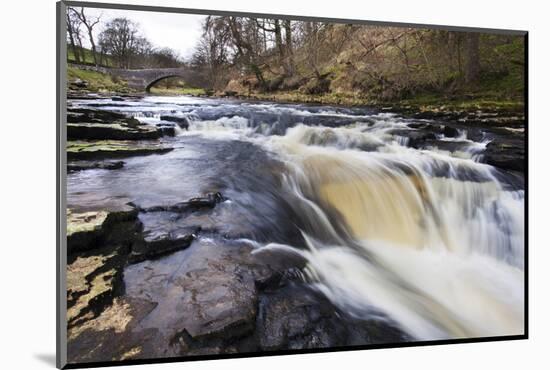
(197,226)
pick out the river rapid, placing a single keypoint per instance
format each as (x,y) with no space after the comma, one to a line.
(428,239)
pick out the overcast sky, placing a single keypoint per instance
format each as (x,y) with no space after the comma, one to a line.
(176,31)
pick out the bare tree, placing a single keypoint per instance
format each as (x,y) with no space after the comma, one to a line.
(89,23)
(73,25)
(289,50)
(213,51)
(121,39)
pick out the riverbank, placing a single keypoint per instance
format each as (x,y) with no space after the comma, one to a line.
(484,105)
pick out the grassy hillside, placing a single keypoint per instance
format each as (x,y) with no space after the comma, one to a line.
(88,57)
(421,69)
(95,81)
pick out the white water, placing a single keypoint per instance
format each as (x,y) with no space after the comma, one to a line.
(432,241)
(437,256)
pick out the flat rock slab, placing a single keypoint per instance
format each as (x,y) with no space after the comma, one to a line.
(205,292)
(159,244)
(92,115)
(113,336)
(89,229)
(117,130)
(94,165)
(101,149)
(92,283)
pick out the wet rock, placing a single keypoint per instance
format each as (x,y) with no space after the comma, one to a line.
(75,115)
(206,294)
(506,153)
(449,131)
(102,149)
(92,229)
(114,335)
(117,130)
(208,201)
(297,317)
(288,317)
(417,139)
(166,129)
(90,124)
(117,98)
(90,165)
(92,283)
(182,122)
(417,125)
(157,244)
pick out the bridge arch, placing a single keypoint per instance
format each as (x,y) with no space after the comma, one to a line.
(150,83)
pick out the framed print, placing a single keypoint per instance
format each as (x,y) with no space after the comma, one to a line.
(237,184)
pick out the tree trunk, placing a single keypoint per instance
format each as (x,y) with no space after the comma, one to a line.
(94,53)
(472,67)
(71,39)
(289,50)
(279,40)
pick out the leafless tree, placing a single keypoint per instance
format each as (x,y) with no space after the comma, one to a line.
(121,40)
(89,24)
(73,25)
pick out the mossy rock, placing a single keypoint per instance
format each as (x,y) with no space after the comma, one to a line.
(101,149)
(87,230)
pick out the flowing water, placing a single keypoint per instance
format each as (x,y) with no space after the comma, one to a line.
(431,240)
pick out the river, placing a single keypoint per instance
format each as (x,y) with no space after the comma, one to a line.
(428,238)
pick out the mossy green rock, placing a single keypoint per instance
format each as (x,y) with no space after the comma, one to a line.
(101,149)
(87,230)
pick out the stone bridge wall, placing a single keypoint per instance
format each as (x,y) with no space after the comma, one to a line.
(140,79)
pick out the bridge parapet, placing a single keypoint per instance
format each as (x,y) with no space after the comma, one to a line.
(141,79)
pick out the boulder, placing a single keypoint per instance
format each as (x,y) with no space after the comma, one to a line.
(182,122)
(166,129)
(449,131)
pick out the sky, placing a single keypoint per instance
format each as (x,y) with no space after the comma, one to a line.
(176,31)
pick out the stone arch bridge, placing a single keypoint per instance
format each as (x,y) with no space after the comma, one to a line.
(143,79)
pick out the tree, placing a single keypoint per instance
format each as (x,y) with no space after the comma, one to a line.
(472,58)
(121,39)
(288,47)
(212,52)
(163,58)
(89,24)
(73,24)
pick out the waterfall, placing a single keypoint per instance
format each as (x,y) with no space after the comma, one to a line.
(429,242)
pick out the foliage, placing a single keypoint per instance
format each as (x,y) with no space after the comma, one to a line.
(372,63)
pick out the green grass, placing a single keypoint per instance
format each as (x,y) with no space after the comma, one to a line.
(97,82)
(177,91)
(88,57)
